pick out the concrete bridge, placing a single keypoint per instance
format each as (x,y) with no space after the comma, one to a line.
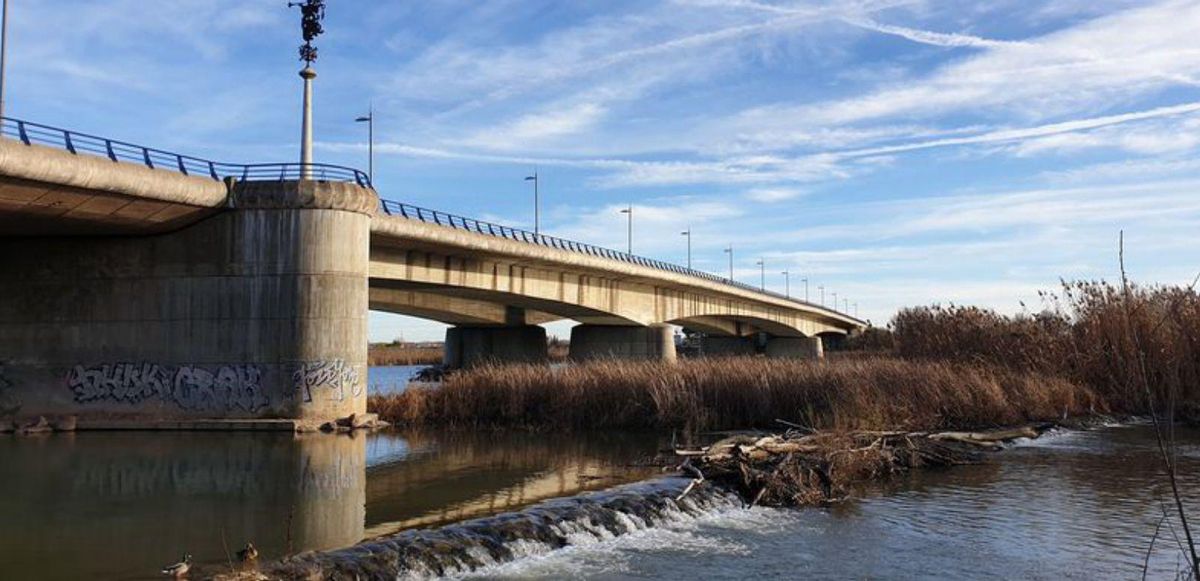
(144,285)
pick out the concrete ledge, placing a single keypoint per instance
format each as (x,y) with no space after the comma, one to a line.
(213,425)
(304,194)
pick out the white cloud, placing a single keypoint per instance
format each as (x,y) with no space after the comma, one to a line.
(538,129)
(773,194)
(951,40)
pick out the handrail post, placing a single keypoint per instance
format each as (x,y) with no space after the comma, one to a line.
(182,168)
(108,146)
(146,157)
(67,141)
(24,134)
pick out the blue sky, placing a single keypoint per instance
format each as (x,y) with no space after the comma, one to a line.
(896,152)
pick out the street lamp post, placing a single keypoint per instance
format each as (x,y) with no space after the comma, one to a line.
(311,14)
(369,119)
(629,230)
(805,281)
(688,233)
(845,305)
(787,284)
(855,310)
(3,52)
(729,251)
(537,226)
(834,301)
(762,274)
(821,289)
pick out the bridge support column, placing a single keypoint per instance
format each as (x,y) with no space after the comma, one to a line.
(258,312)
(727,346)
(589,342)
(471,346)
(795,348)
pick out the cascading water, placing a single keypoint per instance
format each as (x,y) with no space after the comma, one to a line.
(484,542)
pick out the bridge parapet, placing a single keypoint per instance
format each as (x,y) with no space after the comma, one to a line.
(76,143)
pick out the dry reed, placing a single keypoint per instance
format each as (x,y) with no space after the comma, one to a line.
(1087,335)
(868,393)
(404,354)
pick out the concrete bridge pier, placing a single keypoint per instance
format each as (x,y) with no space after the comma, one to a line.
(720,346)
(469,346)
(255,313)
(591,342)
(795,348)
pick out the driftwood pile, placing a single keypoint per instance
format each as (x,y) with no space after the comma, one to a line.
(802,467)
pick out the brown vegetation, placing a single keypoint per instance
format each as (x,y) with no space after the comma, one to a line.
(867,393)
(1093,333)
(398,353)
(798,468)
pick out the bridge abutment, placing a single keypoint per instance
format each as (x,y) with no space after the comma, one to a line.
(591,342)
(795,348)
(258,312)
(468,346)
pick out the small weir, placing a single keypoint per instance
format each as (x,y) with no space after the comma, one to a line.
(468,546)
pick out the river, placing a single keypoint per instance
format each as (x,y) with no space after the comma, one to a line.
(113,505)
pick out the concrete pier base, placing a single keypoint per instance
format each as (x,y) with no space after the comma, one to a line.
(257,312)
(472,346)
(795,348)
(727,346)
(590,342)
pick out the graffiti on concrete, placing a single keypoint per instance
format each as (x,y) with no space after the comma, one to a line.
(335,376)
(10,404)
(190,387)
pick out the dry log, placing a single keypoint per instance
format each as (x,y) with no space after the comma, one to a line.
(990,437)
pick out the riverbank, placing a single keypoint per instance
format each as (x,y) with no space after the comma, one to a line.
(398,353)
(880,393)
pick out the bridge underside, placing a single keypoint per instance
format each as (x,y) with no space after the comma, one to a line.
(486,290)
(488,295)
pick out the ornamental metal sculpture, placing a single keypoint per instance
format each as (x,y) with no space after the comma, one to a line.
(312,12)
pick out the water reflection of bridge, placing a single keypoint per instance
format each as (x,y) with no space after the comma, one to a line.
(119,505)
(458,476)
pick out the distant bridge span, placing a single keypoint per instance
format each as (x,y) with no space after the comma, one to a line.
(139,279)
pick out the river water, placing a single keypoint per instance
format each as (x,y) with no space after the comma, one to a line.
(1080,504)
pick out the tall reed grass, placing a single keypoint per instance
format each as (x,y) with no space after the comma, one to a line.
(1093,333)
(867,393)
(404,354)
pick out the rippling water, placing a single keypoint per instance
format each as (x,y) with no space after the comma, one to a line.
(1078,505)
(118,505)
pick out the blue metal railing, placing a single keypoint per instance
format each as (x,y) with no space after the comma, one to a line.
(77,143)
(400,209)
